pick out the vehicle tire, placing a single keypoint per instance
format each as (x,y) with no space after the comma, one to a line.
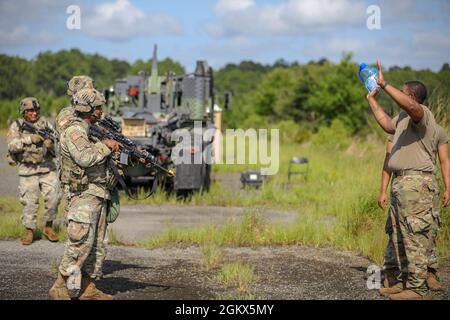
(206,178)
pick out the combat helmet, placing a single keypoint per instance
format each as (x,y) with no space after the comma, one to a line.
(86,100)
(29,103)
(78,83)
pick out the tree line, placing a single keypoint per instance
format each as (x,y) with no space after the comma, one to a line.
(300,98)
(304,98)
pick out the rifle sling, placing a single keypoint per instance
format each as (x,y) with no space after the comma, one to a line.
(124,185)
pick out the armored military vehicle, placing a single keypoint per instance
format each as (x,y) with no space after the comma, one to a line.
(171,116)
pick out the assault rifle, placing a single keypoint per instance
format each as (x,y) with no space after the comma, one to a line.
(46,133)
(108,129)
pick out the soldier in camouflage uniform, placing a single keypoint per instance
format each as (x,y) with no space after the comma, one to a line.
(414,190)
(84,170)
(66,114)
(35,157)
(395,263)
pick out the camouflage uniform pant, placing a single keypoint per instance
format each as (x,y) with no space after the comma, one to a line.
(29,189)
(412,226)
(437,223)
(86,230)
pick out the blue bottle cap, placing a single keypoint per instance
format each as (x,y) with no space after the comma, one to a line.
(361,67)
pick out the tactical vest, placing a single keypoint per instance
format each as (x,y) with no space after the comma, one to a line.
(76,177)
(32,153)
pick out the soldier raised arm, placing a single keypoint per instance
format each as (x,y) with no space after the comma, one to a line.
(410,160)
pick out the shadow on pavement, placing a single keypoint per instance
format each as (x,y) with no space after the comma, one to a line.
(111,266)
(120,284)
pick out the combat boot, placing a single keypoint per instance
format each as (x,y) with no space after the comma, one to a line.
(406,295)
(386,292)
(90,292)
(433,282)
(390,278)
(28,238)
(59,289)
(50,233)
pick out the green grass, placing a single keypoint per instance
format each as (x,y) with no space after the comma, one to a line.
(10,218)
(114,239)
(252,230)
(443,241)
(11,224)
(237,275)
(236,295)
(332,206)
(211,256)
(336,207)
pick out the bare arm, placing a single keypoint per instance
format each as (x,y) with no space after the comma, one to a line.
(445,170)
(412,107)
(414,110)
(383,119)
(385,178)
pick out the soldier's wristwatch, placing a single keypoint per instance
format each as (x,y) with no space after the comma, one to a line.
(383,85)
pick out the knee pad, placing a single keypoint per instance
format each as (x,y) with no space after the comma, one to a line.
(74,281)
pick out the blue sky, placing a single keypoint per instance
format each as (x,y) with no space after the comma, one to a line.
(415,33)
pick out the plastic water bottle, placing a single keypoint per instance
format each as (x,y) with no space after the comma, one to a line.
(368,76)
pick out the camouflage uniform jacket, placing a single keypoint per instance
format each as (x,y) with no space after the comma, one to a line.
(84,161)
(31,158)
(63,118)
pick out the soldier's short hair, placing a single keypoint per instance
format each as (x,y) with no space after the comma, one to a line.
(418,89)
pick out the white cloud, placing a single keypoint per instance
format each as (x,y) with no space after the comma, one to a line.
(14,13)
(287,18)
(22,35)
(294,17)
(16,36)
(121,20)
(432,41)
(422,50)
(314,13)
(226,6)
(236,49)
(26,22)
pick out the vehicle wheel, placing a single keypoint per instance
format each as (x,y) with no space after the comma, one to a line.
(206,178)
(184,194)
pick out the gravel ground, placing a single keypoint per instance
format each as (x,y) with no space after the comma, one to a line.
(295,272)
(174,273)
